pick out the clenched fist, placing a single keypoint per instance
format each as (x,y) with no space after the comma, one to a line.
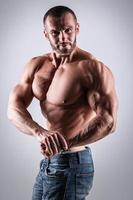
(52,142)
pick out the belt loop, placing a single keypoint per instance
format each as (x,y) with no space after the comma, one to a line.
(70,162)
(88,148)
(79,157)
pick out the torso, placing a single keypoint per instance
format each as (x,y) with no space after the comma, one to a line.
(62,96)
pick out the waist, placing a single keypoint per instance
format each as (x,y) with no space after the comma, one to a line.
(70,158)
(74,149)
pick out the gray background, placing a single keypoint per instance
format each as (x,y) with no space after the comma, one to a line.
(106,31)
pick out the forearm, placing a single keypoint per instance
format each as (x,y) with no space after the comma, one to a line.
(22,119)
(97,129)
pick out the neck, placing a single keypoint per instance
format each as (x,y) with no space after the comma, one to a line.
(66,58)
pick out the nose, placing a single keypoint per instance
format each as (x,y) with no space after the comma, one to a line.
(62,36)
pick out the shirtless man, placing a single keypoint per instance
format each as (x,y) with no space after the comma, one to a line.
(77,97)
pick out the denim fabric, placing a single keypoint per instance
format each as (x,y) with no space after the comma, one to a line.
(66,176)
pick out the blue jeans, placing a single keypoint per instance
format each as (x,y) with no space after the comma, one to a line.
(66,176)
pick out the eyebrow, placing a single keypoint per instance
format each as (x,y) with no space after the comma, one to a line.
(63,28)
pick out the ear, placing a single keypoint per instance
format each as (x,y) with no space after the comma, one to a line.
(77,28)
(45,33)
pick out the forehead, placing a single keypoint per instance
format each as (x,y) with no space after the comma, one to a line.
(60,22)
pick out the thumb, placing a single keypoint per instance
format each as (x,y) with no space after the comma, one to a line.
(55,61)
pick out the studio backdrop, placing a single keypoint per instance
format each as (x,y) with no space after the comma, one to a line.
(106,30)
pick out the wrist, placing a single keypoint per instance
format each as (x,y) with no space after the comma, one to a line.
(38,132)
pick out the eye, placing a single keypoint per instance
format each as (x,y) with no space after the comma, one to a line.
(68,30)
(54,33)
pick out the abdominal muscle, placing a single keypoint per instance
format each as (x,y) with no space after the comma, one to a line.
(69,120)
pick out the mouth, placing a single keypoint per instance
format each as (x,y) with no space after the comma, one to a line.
(63,44)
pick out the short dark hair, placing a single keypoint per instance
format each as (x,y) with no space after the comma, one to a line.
(58,11)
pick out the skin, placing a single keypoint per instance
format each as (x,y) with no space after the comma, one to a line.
(76,92)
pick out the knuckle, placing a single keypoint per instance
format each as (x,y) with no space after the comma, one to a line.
(55,134)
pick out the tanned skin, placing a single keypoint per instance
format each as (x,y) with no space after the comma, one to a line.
(76,92)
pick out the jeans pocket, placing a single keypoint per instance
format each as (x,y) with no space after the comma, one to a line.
(55,171)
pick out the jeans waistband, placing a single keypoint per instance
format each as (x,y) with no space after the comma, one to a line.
(73,158)
(74,149)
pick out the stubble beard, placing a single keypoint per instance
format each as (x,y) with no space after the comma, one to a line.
(64,51)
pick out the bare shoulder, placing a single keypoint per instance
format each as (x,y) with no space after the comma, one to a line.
(95,70)
(34,63)
(85,55)
(32,66)
(93,64)
(102,75)
(23,89)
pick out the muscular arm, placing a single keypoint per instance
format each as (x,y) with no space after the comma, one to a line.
(103,100)
(20,98)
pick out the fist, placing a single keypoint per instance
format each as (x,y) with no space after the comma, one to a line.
(53,143)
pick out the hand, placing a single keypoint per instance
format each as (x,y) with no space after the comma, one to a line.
(59,61)
(52,143)
(55,61)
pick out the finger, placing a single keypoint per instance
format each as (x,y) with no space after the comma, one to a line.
(55,60)
(55,145)
(48,149)
(43,146)
(63,141)
(44,153)
(49,145)
(57,142)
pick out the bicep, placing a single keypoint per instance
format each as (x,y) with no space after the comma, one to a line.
(108,91)
(103,100)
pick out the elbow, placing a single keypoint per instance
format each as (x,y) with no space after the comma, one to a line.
(112,126)
(113,129)
(10,114)
(110,122)
(9,117)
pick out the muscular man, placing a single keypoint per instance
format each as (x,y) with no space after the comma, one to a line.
(77,97)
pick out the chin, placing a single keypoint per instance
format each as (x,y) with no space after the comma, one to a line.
(66,52)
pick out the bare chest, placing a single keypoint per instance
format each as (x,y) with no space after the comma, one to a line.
(58,86)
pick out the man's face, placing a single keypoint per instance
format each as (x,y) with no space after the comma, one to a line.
(61,33)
